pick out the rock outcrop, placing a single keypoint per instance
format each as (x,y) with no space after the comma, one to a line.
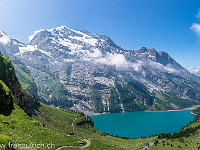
(11,89)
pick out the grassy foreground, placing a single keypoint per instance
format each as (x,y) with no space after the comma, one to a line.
(18,128)
(61,127)
(81,127)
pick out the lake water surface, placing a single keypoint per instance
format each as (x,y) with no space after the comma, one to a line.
(137,124)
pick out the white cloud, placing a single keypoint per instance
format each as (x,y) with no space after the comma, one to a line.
(193,70)
(96,54)
(169,69)
(119,61)
(137,66)
(196,28)
(159,66)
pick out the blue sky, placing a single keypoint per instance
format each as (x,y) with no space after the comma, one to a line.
(167,25)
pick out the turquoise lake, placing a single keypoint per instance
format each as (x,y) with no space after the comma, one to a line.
(137,124)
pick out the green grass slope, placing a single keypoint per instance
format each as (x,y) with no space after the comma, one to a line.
(62,127)
(23,74)
(187,138)
(81,127)
(19,128)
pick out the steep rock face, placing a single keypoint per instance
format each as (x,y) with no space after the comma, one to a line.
(6,98)
(89,72)
(7,48)
(12,86)
(23,74)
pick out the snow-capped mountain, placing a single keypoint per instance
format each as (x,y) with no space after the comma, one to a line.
(89,72)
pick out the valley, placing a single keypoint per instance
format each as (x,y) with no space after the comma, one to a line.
(78,86)
(99,75)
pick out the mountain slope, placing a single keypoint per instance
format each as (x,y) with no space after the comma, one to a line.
(23,74)
(55,127)
(48,127)
(90,73)
(11,85)
(17,129)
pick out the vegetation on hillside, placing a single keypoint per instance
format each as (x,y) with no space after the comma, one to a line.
(19,128)
(23,74)
(6,98)
(59,127)
(196,110)
(62,127)
(187,138)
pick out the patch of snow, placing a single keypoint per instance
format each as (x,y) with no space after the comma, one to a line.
(46,53)
(2,33)
(27,48)
(4,39)
(35,32)
(68,60)
(71,46)
(30,48)
(86,39)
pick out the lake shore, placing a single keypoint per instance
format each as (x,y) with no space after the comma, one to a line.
(191,108)
(97,114)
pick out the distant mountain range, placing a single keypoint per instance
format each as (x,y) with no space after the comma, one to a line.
(90,73)
(194,71)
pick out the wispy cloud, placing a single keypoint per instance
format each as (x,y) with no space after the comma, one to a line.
(198,14)
(196,28)
(161,67)
(112,59)
(119,61)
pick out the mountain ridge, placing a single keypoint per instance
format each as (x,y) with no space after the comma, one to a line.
(90,73)
(56,126)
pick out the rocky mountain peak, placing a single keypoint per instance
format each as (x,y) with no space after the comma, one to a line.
(4,38)
(87,72)
(164,59)
(2,33)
